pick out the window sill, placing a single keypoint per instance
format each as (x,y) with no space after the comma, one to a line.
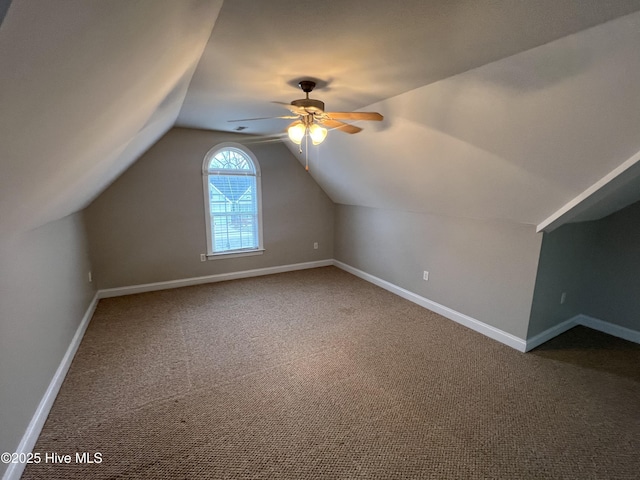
(234,254)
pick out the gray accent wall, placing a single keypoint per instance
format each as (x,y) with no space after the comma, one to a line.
(4,8)
(483,269)
(565,265)
(613,291)
(149,225)
(44,294)
(598,264)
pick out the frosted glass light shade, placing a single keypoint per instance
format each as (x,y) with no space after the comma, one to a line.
(296,132)
(317,133)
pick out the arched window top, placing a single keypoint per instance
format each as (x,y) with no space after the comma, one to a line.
(230,159)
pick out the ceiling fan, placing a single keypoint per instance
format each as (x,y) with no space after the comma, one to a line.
(310,118)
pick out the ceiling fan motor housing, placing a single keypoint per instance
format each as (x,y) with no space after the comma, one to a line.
(309,104)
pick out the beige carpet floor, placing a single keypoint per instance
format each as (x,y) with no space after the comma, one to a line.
(318,374)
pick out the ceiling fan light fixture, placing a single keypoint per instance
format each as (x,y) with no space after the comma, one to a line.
(296,132)
(317,133)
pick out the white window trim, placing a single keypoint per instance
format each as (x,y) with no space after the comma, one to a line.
(211,255)
(235,253)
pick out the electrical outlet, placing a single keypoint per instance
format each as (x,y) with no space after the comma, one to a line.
(425,276)
(563,298)
(203,257)
(315,245)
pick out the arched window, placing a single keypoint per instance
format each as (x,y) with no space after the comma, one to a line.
(231,179)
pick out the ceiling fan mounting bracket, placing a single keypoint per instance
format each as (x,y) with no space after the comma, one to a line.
(307,86)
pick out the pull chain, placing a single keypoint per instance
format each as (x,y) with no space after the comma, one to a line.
(306,147)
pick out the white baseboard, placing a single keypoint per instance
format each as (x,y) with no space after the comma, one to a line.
(608,328)
(550,333)
(221,277)
(585,321)
(469,322)
(14,471)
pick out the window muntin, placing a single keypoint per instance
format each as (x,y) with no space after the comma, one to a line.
(231,160)
(231,180)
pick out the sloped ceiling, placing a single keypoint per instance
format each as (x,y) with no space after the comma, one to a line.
(495,109)
(363,51)
(512,140)
(86,86)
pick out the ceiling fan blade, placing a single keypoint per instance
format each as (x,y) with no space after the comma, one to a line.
(313,110)
(343,127)
(263,139)
(355,115)
(293,108)
(288,117)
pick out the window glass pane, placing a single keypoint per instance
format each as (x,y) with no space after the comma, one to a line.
(234,212)
(234,232)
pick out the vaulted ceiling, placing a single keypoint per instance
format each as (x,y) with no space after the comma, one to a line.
(87,86)
(503,110)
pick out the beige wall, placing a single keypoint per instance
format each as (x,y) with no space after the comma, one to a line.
(149,225)
(44,293)
(485,270)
